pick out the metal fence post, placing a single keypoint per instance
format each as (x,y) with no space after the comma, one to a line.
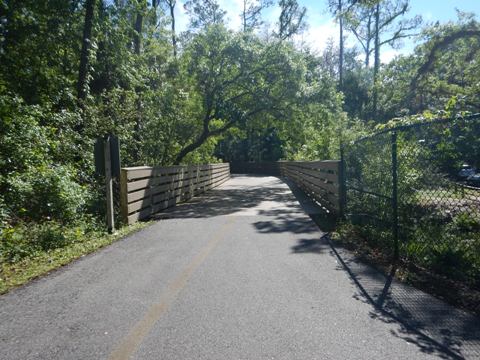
(395,195)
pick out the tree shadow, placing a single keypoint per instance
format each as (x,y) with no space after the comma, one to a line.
(433,326)
(241,193)
(315,246)
(429,323)
(304,216)
(286,223)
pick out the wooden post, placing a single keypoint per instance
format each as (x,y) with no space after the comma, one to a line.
(109,185)
(342,183)
(124,195)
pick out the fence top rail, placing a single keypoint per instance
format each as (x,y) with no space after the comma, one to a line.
(475,116)
(140,172)
(324,165)
(145,167)
(308,162)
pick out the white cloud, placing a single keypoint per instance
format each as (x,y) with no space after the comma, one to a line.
(181,17)
(321,27)
(387,55)
(316,37)
(233,9)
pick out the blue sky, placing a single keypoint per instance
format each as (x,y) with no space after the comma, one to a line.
(321,25)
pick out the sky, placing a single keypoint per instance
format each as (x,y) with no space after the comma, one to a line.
(321,25)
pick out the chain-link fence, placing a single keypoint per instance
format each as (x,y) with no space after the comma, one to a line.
(413,192)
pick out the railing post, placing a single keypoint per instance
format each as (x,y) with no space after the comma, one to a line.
(395,196)
(124,195)
(343,183)
(109,185)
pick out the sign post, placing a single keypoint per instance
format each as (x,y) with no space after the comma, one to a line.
(107,162)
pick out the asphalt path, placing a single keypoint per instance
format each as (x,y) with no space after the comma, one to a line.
(241,272)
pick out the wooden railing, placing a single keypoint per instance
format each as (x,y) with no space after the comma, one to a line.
(146,190)
(321,180)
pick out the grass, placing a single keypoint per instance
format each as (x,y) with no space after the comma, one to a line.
(13,274)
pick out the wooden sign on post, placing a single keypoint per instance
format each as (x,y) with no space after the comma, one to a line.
(107,163)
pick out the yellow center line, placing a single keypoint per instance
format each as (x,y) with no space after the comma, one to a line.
(132,341)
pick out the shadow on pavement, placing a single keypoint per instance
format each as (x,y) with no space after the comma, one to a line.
(432,325)
(234,197)
(286,223)
(428,323)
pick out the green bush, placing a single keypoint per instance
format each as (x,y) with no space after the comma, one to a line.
(46,193)
(27,239)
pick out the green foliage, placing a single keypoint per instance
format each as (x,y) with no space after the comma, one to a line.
(23,141)
(45,193)
(449,82)
(28,239)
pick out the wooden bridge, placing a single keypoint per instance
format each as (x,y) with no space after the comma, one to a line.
(147,190)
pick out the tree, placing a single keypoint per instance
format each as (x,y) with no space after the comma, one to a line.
(360,21)
(370,21)
(239,78)
(171,8)
(85,52)
(339,8)
(292,18)
(251,13)
(204,12)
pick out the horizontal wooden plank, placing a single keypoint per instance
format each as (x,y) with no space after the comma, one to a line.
(328,200)
(170,200)
(326,164)
(157,181)
(147,171)
(316,184)
(139,173)
(324,172)
(332,166)
(332,178)
(325,177)
(147,197)
(167,186)
(323,184)
(139,205)
(145,212)
(172,186)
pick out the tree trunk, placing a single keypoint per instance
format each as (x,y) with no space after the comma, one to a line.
(340,63)
(171,5)
(85,52)
(137,48)
(189,148)
(368,42)
(137,37)
(376,66)
(244,15)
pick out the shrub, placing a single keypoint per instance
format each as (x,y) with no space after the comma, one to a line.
(27,239)
(46,193)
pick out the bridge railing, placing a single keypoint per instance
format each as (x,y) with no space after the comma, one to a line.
(321,180)
(147,190)
(271,168)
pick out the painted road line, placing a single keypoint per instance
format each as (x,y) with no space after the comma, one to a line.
(132,341)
